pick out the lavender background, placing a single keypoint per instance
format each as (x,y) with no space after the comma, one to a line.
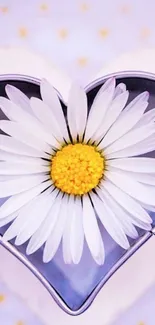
(80,36)
(141,313)
(89,34)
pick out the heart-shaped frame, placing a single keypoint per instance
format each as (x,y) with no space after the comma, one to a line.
(75,287)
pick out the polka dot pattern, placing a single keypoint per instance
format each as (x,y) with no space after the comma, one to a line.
(103,33)
(78,34)
(84,6)
(20,322)
(13,310)
(82,61)
(23,32)
(44,7)
(2,298)
(63,33)
(141,312)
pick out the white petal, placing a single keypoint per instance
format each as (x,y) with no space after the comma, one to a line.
(109,221)
(112,114)
(14,112)
(143,97)
(131,138)
(66,242)
(127,202)
(12,145)
(92,232)
(140,148)
(99,108)
(17,201)
(148,179)
(32,217)
(77,232)
(122,216)
(139,223)
(29,122)
(15,186)
(104,87)
(125,217)
(55,237)
(42,234)
(15,227)
(127,184)
(8,177)
(8,219)
(81,111)
(50,97)
(77,111)
(18,132)
(146,118)
(119,90)
(11,157)
(71,118)
(18,97)
(19,223)
(149,208)
(13,168)
(125,123)
(45,116)
(138,164)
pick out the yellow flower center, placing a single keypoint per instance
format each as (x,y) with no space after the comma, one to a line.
(77,168)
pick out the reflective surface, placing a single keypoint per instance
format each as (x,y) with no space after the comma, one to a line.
(76,286)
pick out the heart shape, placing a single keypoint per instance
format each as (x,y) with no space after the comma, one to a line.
(74,287)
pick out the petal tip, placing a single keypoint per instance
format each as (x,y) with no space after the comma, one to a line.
(8,87)
(111,81)
(46,259)
(18,242)
(29,250)
(6,237)
(145,96)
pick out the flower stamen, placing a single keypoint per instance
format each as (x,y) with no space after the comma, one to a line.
(77,168)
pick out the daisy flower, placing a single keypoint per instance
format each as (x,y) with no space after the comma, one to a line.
(62,171)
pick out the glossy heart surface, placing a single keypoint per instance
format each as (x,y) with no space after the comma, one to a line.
(75,286)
